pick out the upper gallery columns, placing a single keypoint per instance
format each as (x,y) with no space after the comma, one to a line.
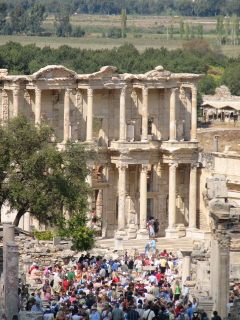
(16,93)
(172,115)
(194,114)
(89,136)
(122,115)
(38,101)
(144,113)
(66,134)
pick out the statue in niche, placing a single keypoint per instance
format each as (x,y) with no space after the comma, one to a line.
(180,129)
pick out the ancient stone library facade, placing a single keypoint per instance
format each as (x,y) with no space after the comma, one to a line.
(143,127)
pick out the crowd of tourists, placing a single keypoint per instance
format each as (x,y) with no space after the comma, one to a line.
(142,288)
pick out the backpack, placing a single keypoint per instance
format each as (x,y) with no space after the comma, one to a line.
(163,315)
(182,316)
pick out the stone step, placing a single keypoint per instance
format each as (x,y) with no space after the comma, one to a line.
(207,306)
(171,245)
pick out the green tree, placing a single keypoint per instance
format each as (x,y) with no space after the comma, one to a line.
(18,18)
(3,14)
(124,23)
(181,28)
(171,31)
(234,29)
(114,33)
(36,177)
(227,28)
(220,28)
(199,31)
(62,23)
(192,32)
(231,78)
(187,31)
(36,18)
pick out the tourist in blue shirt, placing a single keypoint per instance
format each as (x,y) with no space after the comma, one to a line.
(95,313)
(115,266)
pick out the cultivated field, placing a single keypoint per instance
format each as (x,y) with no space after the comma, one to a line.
(153,31)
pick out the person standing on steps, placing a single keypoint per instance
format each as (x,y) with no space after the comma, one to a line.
(156,227)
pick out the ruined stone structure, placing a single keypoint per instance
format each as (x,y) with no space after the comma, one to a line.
(222,106)
(143,127)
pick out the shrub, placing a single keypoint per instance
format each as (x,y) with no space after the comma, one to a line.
(43,235)
(78,32)
(114,33)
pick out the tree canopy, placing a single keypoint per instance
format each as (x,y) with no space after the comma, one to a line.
(37,177)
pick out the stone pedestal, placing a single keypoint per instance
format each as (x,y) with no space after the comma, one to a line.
(186,265)
(172,233)
(132,231)
(118,243)
(143,234)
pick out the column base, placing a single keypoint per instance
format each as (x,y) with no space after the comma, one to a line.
(143,234)
(89,142)
(144,140)
(122,234)
(172,233)
(132,231)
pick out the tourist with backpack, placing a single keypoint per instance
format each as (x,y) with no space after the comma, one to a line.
(182,315)
(163,314)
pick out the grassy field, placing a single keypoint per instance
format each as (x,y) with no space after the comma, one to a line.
(149,26)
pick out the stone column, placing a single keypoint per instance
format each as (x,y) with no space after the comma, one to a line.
(186,265)
(90,166)
(121,197)
(11,280)
(89,137)
(38,100)
(122,115)
(193,196)
(8,236)
(223,265)
(171,232)
(194,114)
(142,233)
(5,111)
(172,131)
(220,265)
(144,114)
(66,114)
(16,102)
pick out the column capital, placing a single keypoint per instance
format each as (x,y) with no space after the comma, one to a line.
(90,92)
(38,92)
(122,166)
(194,90)
(123,91)
(173,90)
(194,166)
(68,91)
(16,92)
(144,168)
(173,166)
(145,90)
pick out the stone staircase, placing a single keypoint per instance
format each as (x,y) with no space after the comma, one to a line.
(171,245)
(207,306)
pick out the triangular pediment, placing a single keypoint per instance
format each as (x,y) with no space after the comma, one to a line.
(54,72)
